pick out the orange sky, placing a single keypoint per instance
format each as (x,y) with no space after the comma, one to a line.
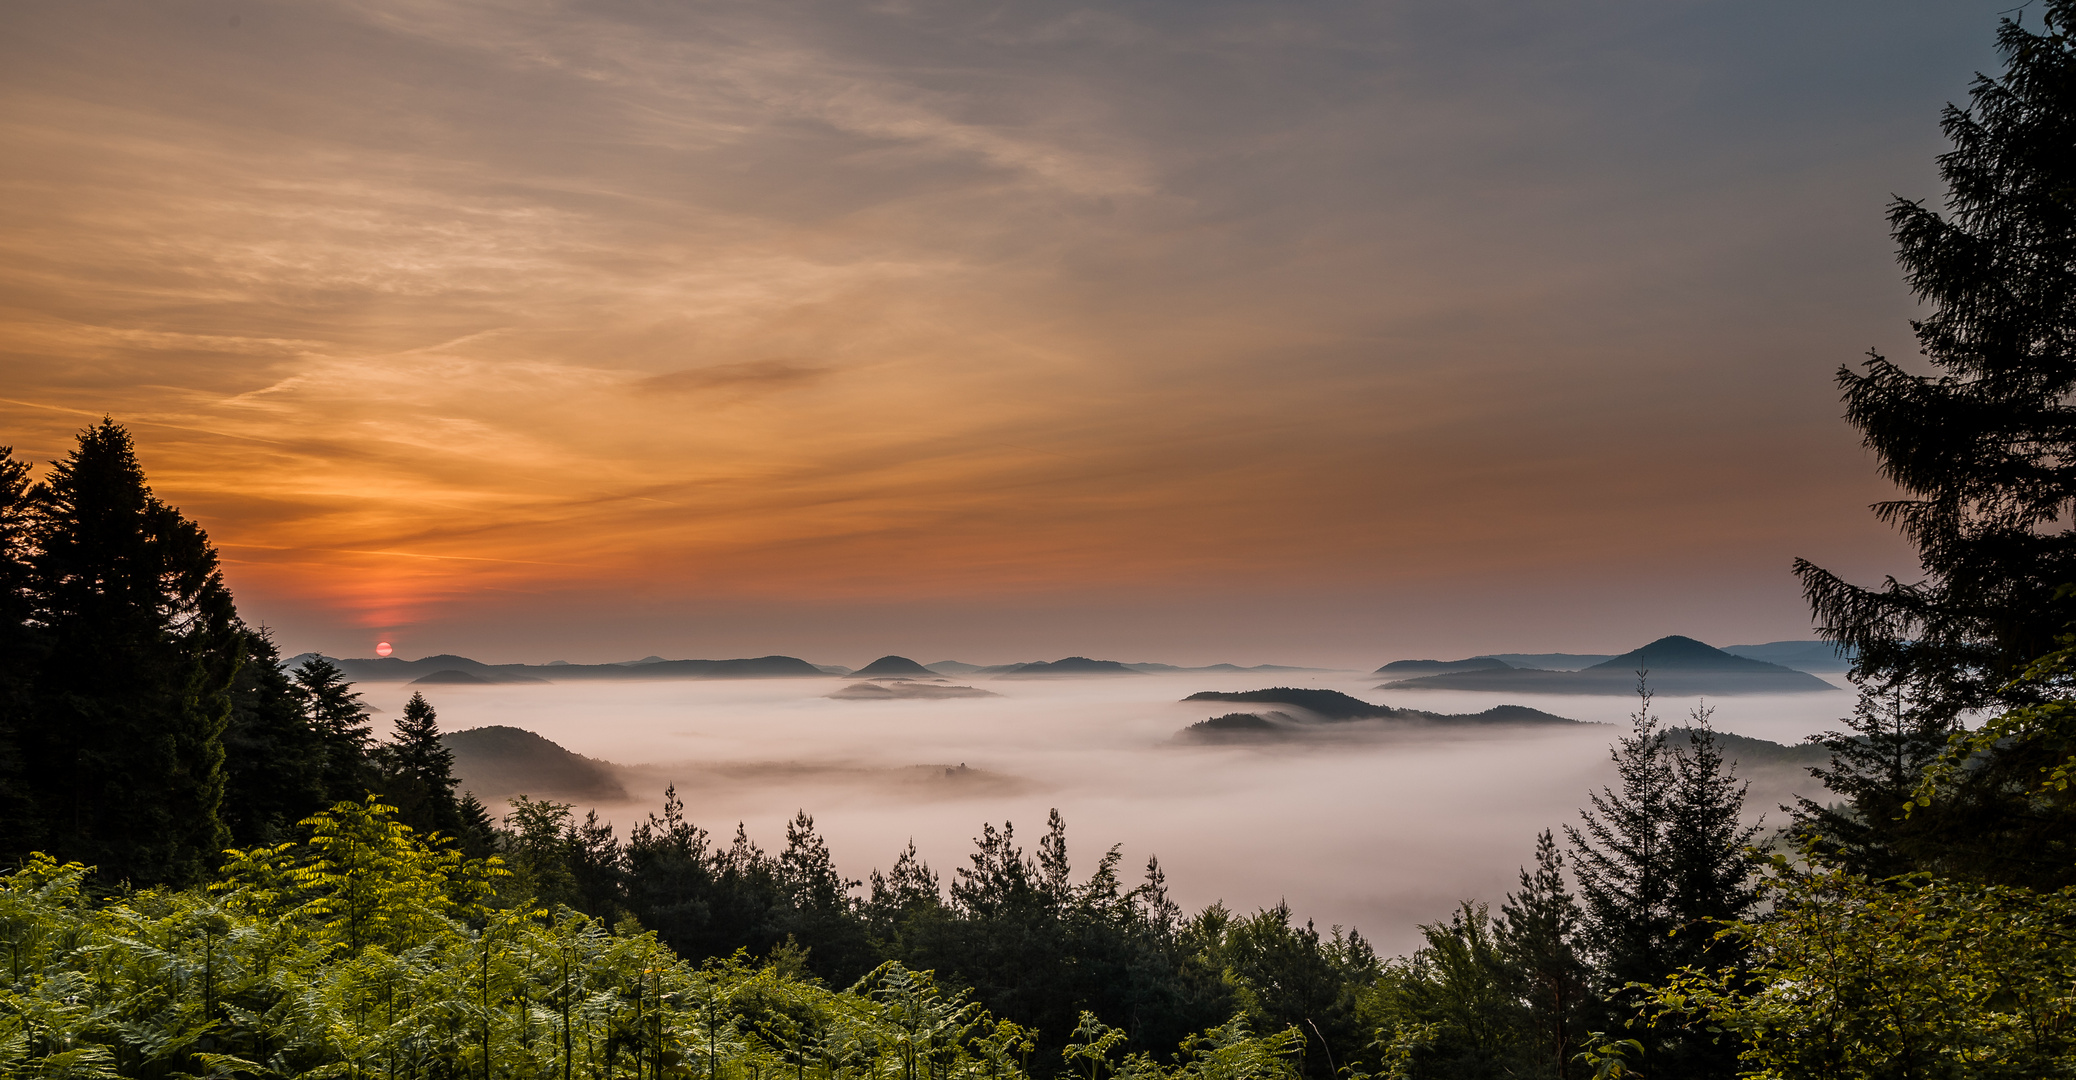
(1176,331)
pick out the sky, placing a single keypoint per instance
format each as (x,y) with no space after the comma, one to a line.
(1312,331)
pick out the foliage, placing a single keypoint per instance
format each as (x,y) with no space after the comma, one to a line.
(1292,977)
(1875,771)
(1539,929)
(365,951)
(1913,977)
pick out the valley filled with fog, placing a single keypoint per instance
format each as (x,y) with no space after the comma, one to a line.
(1380,831)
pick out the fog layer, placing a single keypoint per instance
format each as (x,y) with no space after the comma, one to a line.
(1379,833)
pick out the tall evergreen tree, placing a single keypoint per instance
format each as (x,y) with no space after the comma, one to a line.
(1876,767)
(1984,450)
(1659,863)
(1539,929)
(276,759)
(1622,857)
(126,754)
(418,772)
(21,652)
(335,710)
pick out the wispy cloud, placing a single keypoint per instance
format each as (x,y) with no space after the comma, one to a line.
(421,304)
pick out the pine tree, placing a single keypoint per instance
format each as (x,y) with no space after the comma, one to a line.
(1538,928)
(418,772)
(339,715)
(274,757)
(21,649)
(1876,768)
(126,756)
(1714,881)
(1622,857)
(1985,449)
(1714,872)
(1659,862)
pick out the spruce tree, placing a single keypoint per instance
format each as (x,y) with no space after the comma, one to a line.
(126,756)
(418,772)
(1538,929)
(21,649)
(1659,863)
(1623,860)
(275,757)
(340,717)
(1984,449)
(1876,768)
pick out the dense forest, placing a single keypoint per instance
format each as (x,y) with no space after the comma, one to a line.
(217,869)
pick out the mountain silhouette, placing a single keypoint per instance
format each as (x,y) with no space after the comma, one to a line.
(497,762)
(1675,665)
(1327,704)
(1330,714)
(1072,665)
(1436,667)
(1676,653)
(394,669)
(900,666)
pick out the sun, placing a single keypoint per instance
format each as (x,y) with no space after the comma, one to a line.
(382,648)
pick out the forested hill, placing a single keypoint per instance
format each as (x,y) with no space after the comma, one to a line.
(1672,665)
(1307,712)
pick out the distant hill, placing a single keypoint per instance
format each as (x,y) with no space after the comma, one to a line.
(499,762)
(1676,653)
(1678,666)
(1436,667)
(451,677)
(1327,704)
(1072,665)
(1818,656)
(392,669)
(1162,668)
(1331,714)
(1746,750)
(903,690)
(1551,661)
(1108,667)
(898,666)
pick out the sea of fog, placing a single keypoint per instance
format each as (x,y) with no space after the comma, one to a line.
(1381,834)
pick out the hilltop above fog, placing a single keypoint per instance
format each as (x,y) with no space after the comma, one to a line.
(1820,657)
(461,670)
(451,670)
(1673,665)
(1305,713)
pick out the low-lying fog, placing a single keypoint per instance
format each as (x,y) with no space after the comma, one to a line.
(1379,834)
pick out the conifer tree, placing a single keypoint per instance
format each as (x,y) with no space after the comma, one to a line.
(21,651)
(1984,449)
(339,715)
(126,757)
(418,772)
(1538,931)
(1876,767)
(1658,863)
(1622,857)
(275,759)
